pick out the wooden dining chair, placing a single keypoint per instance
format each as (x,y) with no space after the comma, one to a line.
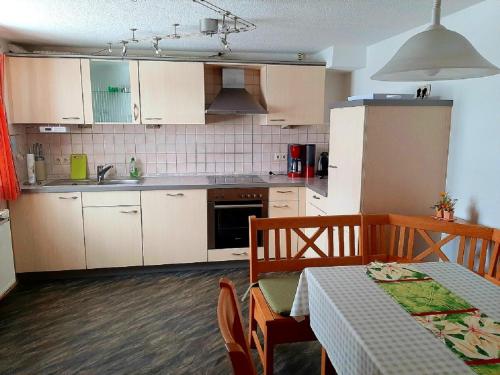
(494,264)
(340,249)
(231,328)
(418,239)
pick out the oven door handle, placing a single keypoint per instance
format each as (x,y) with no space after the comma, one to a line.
(228,206)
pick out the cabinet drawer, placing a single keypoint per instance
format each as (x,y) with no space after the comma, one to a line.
(284,209)
(284,194)
(317,200)
(223,255)
(111,198)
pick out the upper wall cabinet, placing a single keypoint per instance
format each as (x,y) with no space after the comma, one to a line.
(172,92)
(111,91)
(293,94)
(45,90)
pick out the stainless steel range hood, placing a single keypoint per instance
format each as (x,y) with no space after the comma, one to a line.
(233,98)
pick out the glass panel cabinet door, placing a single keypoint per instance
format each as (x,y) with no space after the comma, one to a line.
(114,91)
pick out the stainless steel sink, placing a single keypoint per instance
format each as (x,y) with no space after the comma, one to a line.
(90,182)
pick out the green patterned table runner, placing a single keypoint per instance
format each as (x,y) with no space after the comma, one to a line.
(471,335)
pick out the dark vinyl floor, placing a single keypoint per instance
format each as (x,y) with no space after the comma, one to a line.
(163,323)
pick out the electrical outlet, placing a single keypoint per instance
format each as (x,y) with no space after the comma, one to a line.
(423,91)
(283,156)
(276,156)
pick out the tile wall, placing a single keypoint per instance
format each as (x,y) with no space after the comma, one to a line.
(226,145)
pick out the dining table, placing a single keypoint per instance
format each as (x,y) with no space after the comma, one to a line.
(366,332)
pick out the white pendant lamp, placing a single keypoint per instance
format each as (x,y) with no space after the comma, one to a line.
(436,54)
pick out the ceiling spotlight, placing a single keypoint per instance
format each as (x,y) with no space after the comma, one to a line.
(133,35)
(156,46)
(124,48)
(110,48)
(225,43)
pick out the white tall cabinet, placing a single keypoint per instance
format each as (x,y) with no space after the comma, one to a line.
(388,158)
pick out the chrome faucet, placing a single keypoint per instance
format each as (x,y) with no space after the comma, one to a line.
(101,171)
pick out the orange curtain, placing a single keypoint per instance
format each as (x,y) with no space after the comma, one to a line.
(9,187)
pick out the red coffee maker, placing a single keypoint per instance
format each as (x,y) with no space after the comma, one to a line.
(295,163)
(301,160)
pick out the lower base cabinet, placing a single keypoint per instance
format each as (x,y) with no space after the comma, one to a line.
(47,232)
(174,226)
(113,236)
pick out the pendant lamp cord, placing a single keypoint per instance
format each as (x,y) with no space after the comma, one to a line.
(436,13)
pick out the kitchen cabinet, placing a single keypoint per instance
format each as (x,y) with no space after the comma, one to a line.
(174,226)
(293,94)
(388,158)
(113,236)
(172,92)
(47,232)
(111,91)
(321,241)
(283,202)
(44,90)
(113,230)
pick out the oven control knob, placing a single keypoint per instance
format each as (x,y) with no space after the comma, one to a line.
(255,195)
(260,195)
(249,195)
(243,195)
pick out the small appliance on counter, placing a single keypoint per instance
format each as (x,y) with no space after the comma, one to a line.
(301,160)
(323,165)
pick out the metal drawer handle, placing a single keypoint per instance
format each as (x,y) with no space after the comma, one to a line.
(175,195)
(281,206)
(277,119)
(71,118)
(129,212)
(284,191)
(68,197)
(153,118)
(136,112)
(240,254)
(332,166)
(316,197)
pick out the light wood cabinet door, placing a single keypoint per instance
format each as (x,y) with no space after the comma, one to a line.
(174,226)
(172,92)
(345,171)
(294,95)
(283,209)
(47,232)
(45,90)
(113,236)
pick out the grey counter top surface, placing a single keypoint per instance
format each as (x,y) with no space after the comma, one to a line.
(320,186)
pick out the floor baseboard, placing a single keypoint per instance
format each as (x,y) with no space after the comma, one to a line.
(124,271)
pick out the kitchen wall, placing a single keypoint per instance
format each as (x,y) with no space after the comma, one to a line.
(226,145)
(474,160)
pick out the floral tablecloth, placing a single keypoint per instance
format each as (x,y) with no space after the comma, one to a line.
(365,331)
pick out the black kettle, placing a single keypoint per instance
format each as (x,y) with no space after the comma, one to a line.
(323,165)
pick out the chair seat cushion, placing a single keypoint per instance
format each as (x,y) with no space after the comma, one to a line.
(279,292)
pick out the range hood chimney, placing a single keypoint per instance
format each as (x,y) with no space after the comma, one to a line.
(233,99)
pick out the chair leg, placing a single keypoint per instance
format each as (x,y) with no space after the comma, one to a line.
(268,355)
(326,366)
(252,324)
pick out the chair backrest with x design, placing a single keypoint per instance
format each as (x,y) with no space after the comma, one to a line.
(341,245)
(416,239)
(494,262)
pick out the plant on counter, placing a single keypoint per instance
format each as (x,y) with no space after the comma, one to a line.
(445,207)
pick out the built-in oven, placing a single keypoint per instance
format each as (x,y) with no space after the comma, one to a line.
(228,212)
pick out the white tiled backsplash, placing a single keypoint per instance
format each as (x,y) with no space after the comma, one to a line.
(235,145)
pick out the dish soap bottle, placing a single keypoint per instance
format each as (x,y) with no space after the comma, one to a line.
(134,172)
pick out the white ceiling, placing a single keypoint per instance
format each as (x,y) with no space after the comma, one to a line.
(282,25)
